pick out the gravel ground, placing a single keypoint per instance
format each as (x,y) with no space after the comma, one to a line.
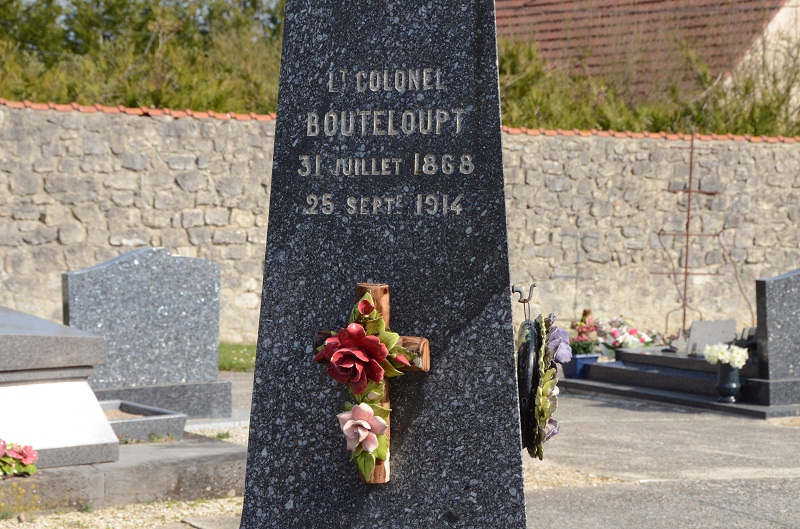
(538,475)
(140,516)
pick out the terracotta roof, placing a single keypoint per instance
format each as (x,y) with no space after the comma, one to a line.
(155,112)
(652,135)
(639,44)
(136,111)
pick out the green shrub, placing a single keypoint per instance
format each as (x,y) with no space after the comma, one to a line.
(224,56)
(206,55)
(760,97)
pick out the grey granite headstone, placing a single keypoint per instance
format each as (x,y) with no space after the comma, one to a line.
(388,169)
(710,332)
(48,402)
(778,338)
(159,315)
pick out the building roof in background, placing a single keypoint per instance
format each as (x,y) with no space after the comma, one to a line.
(639,44)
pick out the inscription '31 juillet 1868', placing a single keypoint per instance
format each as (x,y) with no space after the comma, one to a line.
(388,169)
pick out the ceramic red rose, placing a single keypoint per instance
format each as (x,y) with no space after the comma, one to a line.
(401,360)
(365,308)
(353,357)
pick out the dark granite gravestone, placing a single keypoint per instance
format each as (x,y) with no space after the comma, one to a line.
(778,337)
(159,315)
(48,403)
(388,169)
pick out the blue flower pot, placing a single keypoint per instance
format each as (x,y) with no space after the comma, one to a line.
(576,368)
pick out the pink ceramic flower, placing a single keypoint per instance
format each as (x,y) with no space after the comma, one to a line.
(29,455)
(353,357)
(615,333)
(361,427)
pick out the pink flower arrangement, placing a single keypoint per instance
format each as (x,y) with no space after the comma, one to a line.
(17,459)
(26,454)
(615,334)
(585,341)
(361,427)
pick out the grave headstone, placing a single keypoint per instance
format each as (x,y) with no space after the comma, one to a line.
(778,339)
(159,315)
(48,403)
(709,332)
(388,169)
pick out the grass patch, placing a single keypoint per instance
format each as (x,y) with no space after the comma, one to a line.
(237,357)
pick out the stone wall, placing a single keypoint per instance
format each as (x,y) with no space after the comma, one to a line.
(586,212)
(81,185)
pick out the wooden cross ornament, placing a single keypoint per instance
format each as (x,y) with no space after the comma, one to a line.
(418,345)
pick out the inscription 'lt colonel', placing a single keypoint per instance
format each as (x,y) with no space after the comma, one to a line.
(385,122)
(398,80)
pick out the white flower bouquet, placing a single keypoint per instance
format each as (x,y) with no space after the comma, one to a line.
(726,354)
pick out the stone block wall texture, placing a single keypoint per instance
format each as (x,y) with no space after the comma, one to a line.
(81,185)
(592,220)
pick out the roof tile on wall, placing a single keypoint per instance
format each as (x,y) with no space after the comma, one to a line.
(210,114)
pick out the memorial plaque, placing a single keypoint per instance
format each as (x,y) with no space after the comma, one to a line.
(388,170)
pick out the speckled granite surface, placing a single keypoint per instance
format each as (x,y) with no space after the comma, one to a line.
(778,335)
(778,332)
(347,97)
(159,315)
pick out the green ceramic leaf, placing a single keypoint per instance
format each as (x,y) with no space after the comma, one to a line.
(389,339)
(388,370)
(366,464)
(372,387)
(380,411)
(382,452)
(400,350)
(376,326)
